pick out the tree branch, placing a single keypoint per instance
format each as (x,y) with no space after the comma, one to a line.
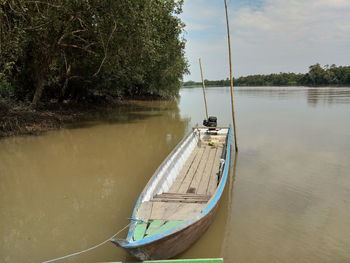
(69,33)
(78,47)
(105,47)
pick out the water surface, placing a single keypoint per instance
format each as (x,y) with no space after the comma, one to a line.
(288,202)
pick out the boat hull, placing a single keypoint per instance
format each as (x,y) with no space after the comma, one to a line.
(173,244)
(169,243)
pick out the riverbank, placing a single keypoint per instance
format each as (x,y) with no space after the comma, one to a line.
(19,119)
(23,121)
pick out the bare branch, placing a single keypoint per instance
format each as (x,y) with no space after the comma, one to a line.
(45,3)
(105,47)
(38,27)
(69,33)
(65,59)
(37,8)
(82,23)
(78,47)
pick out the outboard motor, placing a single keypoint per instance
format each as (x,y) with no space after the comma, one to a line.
(211,122)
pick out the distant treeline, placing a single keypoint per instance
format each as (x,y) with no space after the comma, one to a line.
(317,76)
(74,50)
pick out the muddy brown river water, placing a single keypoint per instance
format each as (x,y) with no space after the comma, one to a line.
(289,200)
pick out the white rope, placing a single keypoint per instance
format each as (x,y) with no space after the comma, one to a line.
(88,249)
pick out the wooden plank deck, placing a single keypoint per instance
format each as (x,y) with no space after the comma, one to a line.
(203,185)
(198,175)
(145,210)
(176,211)
(191,190)
(191,171)
(213,181)
(201,173)
(177,183)
(172,211)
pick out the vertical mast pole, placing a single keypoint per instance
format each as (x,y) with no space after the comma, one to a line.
(203,86)
(231,77)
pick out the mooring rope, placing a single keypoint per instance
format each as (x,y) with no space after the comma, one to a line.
(88,249)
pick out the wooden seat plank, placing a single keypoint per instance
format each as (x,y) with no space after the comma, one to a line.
(202,201)
(181,196)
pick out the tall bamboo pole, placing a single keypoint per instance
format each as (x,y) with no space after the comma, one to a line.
(231,77)
(203,86)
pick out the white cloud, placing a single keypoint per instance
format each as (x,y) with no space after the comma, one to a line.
(311,21)
(280,35)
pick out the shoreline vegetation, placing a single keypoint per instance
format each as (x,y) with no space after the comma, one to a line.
(60,60)
(75,50)
(316,77)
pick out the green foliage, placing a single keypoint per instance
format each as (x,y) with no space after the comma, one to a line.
(281,79)
(317,76)
(71,49)
(332,75)
(6,89)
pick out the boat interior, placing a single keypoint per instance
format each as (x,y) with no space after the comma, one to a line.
(196,179)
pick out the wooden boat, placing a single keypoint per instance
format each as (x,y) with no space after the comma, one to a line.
(179,202)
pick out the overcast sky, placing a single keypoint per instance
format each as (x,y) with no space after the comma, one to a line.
(267,36)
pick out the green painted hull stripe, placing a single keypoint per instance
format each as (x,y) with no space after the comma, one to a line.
(155,228)
(156,224)
(167,226)
(140,230)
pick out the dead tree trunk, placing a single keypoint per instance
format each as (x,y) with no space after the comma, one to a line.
(65,85)
(41,69)
(38,91)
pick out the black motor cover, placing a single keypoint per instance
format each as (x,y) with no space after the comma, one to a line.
(210,122)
